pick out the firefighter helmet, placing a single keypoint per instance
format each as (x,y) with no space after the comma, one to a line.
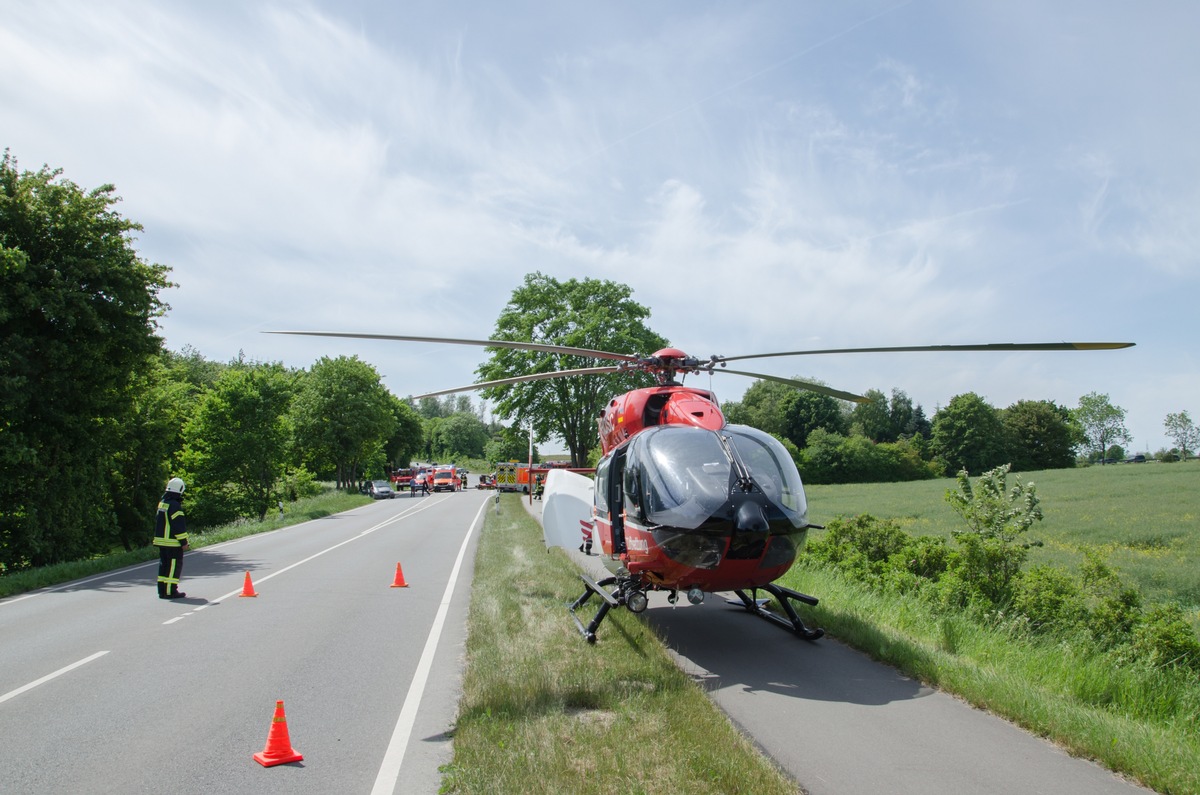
(175,485)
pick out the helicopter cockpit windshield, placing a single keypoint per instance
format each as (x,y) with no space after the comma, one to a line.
(685,475)
(772,470)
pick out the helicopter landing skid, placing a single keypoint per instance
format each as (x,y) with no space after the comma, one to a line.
(609,602)
(784,596)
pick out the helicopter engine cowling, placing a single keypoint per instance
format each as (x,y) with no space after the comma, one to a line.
(627,414)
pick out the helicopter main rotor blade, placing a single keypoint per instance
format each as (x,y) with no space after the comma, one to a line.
(523,346)
(809,385)
(522,378)
(996,346)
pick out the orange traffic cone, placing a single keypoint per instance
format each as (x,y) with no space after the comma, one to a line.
(248,587)
(399,581)
(279,750)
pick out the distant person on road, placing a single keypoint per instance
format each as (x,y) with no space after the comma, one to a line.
(171,538)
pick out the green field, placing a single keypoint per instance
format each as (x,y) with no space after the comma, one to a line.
(1144,518)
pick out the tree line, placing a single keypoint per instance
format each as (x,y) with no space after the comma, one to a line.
(892,439)
(96,414)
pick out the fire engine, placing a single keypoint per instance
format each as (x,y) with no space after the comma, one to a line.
(402,478)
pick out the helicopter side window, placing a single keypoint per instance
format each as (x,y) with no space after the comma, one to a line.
(602,486)
(632,488)
(614,490)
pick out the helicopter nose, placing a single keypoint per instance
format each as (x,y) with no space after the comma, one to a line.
(750,518)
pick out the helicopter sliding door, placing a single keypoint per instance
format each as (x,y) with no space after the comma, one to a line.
(610,502)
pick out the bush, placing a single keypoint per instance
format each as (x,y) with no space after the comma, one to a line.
(833,458)
(878,553)
(980,572)
(1164,639)
(299,484)
(927,556)
(989,556)
(1117,608)
(860,546)
(1050,598)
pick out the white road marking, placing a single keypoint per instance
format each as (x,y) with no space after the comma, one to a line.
(48,677)
(153,563)
(314,556)
(389,771)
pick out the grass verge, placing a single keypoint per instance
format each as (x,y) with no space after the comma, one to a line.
(544,712)
(1082,705)
(327,503)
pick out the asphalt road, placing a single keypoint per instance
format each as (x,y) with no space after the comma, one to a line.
(104,688)
(840,723)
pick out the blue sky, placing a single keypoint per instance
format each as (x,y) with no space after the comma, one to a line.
(765,176)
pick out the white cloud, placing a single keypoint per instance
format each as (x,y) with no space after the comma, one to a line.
(772,177)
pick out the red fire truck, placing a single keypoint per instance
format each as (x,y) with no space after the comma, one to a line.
(402,478)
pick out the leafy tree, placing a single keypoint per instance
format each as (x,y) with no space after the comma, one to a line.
(149,438)
(1041,435)
(342,416)
(809,411)
(510,444)
(588,313)
(190,367)
(429,432)
(787,412)
(78,321)
(884,420)
(991,509)
(408,438)
(873,419)
(1185,434)
(908,419)
(765,406)
(1101,423)
(968,434)
(430,408)
(461,435)
(236,443)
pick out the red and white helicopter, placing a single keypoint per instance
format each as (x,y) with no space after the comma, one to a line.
(681,499)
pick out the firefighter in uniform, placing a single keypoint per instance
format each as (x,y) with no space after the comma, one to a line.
(171,538)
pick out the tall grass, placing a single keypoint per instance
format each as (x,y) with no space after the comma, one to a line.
(542,711)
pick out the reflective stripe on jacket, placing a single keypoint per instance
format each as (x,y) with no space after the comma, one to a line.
(170,526)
